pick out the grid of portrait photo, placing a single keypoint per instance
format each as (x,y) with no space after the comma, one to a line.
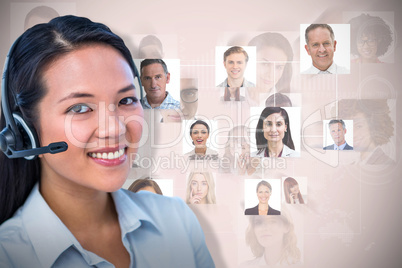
(279,135)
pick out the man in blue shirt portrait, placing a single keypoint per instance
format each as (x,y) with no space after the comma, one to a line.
(154,77)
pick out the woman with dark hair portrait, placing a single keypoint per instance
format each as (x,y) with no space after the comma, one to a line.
(292,191)
(264,191)
(199,133)
(273,241)
(66,208)
(274,67)
(273,135)
(371,37)
(146,184)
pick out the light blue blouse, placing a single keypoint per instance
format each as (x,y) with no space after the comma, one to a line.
(157,231)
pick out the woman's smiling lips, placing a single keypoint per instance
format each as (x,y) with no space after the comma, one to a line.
(109,156)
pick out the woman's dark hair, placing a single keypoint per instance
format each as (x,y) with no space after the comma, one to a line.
(226,96)
(198,122)
(34,51)
(277,40)
(278,100)
(259,133)
(376,113)
(142,183)
(370,25)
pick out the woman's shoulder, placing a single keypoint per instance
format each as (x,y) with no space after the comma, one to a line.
(211,152)
(257,154)
(192,152)
(12,227)
(287,152)
(251,211)
(258,261)
(273,211)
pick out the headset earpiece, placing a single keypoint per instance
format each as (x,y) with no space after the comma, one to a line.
(25,139)
(28,135)
(17,139)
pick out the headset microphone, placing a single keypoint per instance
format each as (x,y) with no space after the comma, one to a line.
(53,148)
(17,139)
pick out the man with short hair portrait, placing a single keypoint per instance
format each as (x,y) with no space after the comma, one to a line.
(337,130)
(154,77)
(321,46)
(235,62)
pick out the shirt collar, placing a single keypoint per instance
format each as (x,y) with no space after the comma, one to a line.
(50,237)
(331,69)
(130,211)
(336,147)
(168,99)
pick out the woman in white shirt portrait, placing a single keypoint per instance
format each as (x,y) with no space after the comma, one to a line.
(273,134)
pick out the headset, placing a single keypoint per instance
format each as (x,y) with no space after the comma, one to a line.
(18,139)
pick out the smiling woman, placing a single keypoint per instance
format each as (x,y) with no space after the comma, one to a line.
(72,80)
(273,134)
(264,191)
(199,133)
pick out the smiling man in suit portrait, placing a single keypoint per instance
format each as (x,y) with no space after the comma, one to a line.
(337,130)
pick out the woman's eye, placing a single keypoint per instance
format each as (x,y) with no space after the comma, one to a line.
(128,101)
(80,109)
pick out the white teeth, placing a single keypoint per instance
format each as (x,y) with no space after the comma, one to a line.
(110,155)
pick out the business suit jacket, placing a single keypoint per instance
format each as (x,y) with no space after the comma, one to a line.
(254,211)
(332,147)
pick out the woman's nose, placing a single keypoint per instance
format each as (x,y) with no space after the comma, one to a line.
(111,125)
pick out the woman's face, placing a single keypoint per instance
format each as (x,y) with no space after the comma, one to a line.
(367,46)
(199,135)
(294,189)
(274,127)
(362,141)
(270,67)
(269,230)
(263,194)
(92,105)
(199,186)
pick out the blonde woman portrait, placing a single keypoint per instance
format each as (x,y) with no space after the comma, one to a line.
(200,188)
(273,241)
